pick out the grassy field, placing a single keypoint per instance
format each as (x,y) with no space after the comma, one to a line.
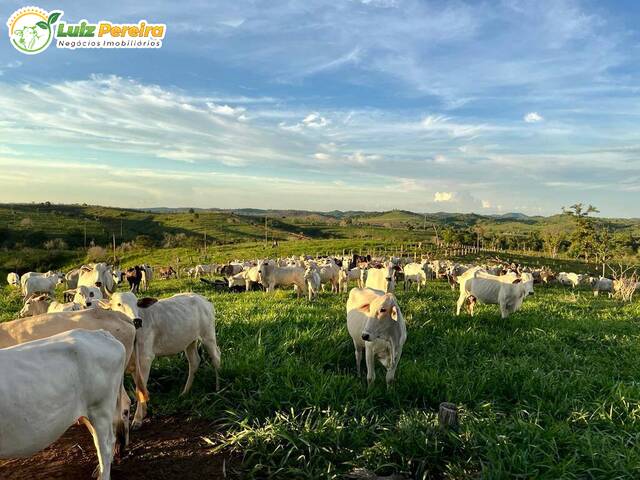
(552,392)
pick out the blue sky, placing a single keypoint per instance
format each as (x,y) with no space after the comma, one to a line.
(488,107)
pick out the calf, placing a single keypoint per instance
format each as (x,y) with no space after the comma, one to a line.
(41,284)
(50,384)
(376,325)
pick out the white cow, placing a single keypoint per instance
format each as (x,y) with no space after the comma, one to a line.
(13,279)
(118,324)
(312,278)
(484,289)
(346,275)
(50,384)
(35,305)
(169,326)
(28,275)
(71,278)
(414,273)
(570,279)
(56,306)
(376,325)
(41,284)
(87,297)
(329,274)
(272,276)
(97,275)
(382,279)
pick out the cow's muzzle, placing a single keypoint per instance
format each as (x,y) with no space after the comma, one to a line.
(365,337)
(137,322)
(98,284)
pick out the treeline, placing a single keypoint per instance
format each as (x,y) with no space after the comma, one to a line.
(586,238)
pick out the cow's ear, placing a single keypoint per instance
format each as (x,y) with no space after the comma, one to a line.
(517,280)
(146,302)
(394,312)
(364,309)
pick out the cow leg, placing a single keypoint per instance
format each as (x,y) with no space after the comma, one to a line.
(211,344)
(141,407)
(371,363)
(194,362)
(100,425)
(461,299)
(358,350)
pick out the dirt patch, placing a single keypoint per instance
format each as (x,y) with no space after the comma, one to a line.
(169,447)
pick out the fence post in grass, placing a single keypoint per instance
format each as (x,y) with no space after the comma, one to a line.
(448,415)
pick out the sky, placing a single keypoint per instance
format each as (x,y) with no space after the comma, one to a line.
(458,106)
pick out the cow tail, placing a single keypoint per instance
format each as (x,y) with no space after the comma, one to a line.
(142,393)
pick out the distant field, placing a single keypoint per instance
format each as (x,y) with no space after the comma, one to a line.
(552,392)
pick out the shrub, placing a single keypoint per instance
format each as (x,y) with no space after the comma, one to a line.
(97,254)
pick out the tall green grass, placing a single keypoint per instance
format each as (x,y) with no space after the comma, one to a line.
(552,392)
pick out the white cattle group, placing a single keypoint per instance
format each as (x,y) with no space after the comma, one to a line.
(72,356)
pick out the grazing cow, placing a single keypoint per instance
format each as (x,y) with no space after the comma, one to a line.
(231,269)
(382,278)
(238,282)
(170,326)
(97,275)
(601,284)
(312,278)
(489,289)
(13,279)
(166,273)
(134,278)
(41,284)
(272,276)
(376,325)
(414,273)
(50,384)
(118,324)
(252,278)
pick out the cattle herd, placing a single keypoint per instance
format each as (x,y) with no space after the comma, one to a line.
(64,362)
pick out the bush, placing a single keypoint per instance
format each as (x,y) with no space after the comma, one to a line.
(97,254)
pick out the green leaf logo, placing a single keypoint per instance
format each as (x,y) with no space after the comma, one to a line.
(53,18)
(43,25)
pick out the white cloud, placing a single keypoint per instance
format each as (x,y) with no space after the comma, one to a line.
(533,117)
(443,197)
(486,204)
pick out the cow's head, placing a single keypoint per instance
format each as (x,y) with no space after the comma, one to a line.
(36,304)
(382,314)
(124,302)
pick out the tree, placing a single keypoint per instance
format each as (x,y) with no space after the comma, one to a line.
(553,236)
(583,240)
